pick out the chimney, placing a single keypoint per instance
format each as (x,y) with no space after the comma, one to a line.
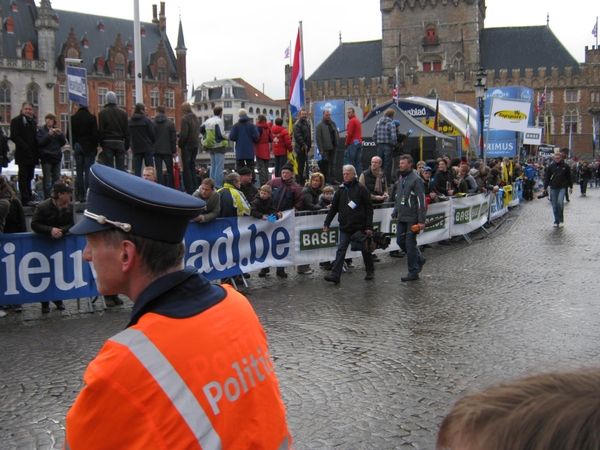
(162,20)
(154,16)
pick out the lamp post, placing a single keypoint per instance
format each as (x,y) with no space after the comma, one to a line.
(480,90)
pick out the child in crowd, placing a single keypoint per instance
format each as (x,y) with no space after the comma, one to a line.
(263,205)
(326,197)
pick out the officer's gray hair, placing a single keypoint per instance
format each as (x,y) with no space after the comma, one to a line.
(349,167)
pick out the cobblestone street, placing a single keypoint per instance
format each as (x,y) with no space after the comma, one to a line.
(364,364)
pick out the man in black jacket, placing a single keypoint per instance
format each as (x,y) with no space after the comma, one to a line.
(113,133)
(302,144)
(141,130)
(353,203)
(85,146)
(165,146)
(23,132)
(54,217)
(558,177)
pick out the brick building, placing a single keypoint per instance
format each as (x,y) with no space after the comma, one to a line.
(35,40)
(437,46)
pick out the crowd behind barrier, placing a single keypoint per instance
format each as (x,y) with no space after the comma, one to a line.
(35,268)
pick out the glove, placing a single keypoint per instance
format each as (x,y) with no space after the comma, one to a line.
(410,132)
(355,141)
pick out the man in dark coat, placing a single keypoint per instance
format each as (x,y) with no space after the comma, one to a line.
(23,132)
(189,141)
(85,146)
(165,146)
(113,133)
(141,130)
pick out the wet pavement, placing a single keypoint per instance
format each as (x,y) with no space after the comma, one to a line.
(364,364)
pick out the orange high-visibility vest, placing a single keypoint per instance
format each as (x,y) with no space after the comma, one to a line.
(204,382)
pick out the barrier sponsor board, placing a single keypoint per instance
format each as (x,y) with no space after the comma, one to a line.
(35,268)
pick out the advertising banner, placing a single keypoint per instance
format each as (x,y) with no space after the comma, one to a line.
(468,214)
(533,136)
(509,114)
(497,206)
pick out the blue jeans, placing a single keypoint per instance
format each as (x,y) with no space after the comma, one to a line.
(408,244)
(280,162)
(83,163)
(162,179)
(386,153)
(113,152)
(340,255)
(217,164)
(138,158)
(188,164)
(355,157)
(557,198)
(51,173)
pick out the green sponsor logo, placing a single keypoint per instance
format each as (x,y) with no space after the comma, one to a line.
(475,212)
(316,238)
(462,215)
(438,226)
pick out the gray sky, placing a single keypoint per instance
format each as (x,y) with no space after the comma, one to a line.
(235,38)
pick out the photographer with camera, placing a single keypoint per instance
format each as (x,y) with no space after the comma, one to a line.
(558,177)
(410,211)
(50,142)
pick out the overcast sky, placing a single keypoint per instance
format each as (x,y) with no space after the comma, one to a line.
(240,38)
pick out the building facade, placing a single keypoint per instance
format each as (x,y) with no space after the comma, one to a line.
(436,48)
(36,41)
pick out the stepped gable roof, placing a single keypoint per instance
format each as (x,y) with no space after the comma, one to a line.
(524,47)
(24,28)
(101,41)
(350,60)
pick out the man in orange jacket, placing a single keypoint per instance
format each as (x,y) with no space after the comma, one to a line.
(192,369)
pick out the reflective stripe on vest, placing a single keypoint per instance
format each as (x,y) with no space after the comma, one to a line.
(172,384)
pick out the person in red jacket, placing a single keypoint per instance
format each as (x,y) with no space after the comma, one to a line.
(282,145)
(354,142)
(262,148)
(192,369)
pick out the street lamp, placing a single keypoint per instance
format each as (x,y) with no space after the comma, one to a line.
(480,90)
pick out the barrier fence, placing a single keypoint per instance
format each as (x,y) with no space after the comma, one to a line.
(36,268)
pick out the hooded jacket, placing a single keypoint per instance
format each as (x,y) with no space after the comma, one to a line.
(141,130)
(165,135)
(244,134)
(282,143)
(112,125)
(262,148)
(85,130)
(50,147)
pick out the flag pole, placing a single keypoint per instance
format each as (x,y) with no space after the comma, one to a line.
(302,58)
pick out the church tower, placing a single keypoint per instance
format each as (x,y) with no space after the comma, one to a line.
(437,36)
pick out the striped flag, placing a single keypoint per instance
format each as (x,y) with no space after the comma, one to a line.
(541,102)
(595,29)
(367,108)
(286,55)
(297,84)
(467,129)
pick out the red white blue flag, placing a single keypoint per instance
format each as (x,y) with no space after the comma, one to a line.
(287,53)
(541,102)
(297,83)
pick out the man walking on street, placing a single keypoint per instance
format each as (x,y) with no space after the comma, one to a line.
(327,138)
(23,132)
(353,203)
(558,178)
(354,141)
(410,211)
(165,394)
(385,137)
(85,146)
(113,133)
(189,141)
(302,144)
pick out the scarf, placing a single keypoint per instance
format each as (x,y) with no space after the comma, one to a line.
(378,181)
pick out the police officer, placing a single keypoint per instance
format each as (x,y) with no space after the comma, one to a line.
(192,369)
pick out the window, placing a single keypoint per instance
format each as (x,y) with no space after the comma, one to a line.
(276,113)
(33,96)
(251,110)
(265,111)
(119,70)
(170,98)
(64,121)
(120,97)
(227,92)
(5,109)
(154,97)
(227,104)
(571,95)
(133,102)
(432,66)
(102,96)
(162,74)
(571,119)
(544,119)
(63,95)
(205,106)
(431,37)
